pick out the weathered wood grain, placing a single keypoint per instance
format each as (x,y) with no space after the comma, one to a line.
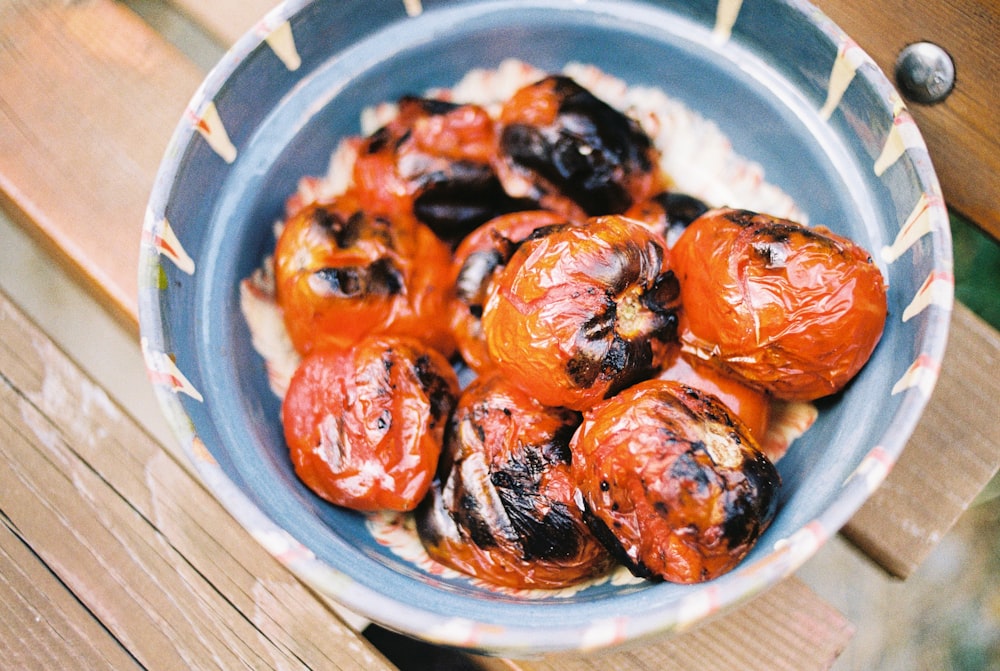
(89,95)
(141,544)
(42,625)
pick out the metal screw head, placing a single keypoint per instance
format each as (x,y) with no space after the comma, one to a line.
(925,73)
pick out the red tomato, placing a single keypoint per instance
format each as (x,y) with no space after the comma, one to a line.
(673,482)
(364,426)
(435,161)
(793,310)
(582,311)
(574,153)
(342,273)
(477,260)
(502,506)
(425,135)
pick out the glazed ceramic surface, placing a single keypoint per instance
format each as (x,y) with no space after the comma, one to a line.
(788,88)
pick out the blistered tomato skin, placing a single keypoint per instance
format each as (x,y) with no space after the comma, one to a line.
(573,152)
(342,273)
(477,260)
(793,310)
(582,311)
(501,508)
(365,425)
(673,484)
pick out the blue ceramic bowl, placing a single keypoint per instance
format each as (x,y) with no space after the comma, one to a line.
(790,90)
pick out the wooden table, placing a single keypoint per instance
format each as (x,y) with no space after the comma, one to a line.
(112,553)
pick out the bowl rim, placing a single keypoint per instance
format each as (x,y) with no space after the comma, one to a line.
(529,639)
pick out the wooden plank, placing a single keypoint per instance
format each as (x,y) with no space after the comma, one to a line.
(89,96)
(42,625)
(961,133)
(792,631)
(138,541)
(953,454)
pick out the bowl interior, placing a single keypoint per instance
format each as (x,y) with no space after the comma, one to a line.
(764,87)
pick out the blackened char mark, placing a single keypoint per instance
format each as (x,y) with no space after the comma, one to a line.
(381,278)
(607,538)
(748,497)
(474,275)
(346,231)
(680,208)
(663,300)
(430,106)
(600,353)
(437,389)
(551,534)
(587,154)
(457,198)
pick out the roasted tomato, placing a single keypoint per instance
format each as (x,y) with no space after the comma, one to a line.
(572,152)
(434,159)
(672,482)
(750,404)
(580,312)
(364,426)
(668,213)
(342,273)
(478,258)
(501,508)
(793,310)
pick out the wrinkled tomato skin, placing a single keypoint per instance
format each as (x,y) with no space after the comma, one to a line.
(673,483)
(581,311)
(480,256)
(750,404)
(502,506)
(795,311)
(364,426)
(434,134)
(342,273)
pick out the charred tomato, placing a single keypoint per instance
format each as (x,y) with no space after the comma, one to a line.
(793,310)
(434,159)
(501,508)
(672,482)
(566,148)
(365,425)
(580,312)
(342,273)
